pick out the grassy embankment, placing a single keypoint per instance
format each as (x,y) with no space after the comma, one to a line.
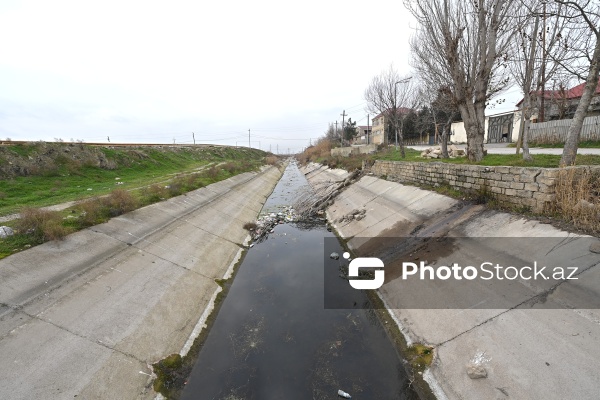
(124,179)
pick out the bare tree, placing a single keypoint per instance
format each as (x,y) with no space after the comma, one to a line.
(390,94)
(466,43)
(584,16)
(538,51)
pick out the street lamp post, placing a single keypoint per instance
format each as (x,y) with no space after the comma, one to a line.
(395,98)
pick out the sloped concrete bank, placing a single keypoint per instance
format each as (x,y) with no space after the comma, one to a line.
(532,340)
(86,317)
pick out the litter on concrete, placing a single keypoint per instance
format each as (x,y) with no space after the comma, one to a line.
(343,394)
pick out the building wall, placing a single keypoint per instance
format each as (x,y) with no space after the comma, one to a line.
(378,130)
(460,134)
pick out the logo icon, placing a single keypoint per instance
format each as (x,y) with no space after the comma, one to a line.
(365,262)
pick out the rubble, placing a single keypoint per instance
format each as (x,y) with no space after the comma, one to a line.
(436,152)
(353,215)
(6,231)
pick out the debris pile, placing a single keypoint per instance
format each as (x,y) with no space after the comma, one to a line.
(266,223)
(436,152)
(353,215)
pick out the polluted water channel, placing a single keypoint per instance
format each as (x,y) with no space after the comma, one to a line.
(273,338)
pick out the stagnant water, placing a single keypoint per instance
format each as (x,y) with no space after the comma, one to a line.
(273,337)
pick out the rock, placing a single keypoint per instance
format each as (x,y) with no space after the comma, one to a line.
(334,256)
(359,217)
(584,205)
(6,231)
(453,147)
(476,371)
(424,154)
(433,155)
(594,247)
(437,151)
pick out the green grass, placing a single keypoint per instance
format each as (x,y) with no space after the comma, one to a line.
(148,178)
(68,181)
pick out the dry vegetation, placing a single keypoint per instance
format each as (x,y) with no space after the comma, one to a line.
(42,225)
(317,152)
(578,198)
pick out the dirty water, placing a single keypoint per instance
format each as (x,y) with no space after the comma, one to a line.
(273,337)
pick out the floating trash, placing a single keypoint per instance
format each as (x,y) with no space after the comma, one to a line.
(334,256)
(266,223)
(343,394)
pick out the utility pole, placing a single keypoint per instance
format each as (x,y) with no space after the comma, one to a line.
(194,137)
(336,132)
(249,138)
(343,114)
(368,130)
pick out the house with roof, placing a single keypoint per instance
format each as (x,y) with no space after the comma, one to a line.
(562,103)
(380,129)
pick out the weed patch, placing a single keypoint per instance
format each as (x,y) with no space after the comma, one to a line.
(42,225)
(578,198)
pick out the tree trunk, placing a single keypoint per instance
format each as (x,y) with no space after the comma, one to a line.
(570,151)
(474,120)
(445,131)
(402,153)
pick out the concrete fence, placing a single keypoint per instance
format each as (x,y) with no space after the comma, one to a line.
(517,186)
(353,150)
(556,131)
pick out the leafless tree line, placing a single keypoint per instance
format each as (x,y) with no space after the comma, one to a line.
(466,52)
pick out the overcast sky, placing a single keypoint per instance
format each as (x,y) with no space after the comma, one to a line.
(156,71)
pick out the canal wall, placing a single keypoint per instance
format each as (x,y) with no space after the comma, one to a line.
(86,317)
(525,353)
(512,186)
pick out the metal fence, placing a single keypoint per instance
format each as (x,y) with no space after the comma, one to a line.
(556,131)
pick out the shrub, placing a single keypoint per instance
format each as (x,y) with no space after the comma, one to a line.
(119,202)
(101,209)
(577,197)
(42,225)
(155,193)
(271,160)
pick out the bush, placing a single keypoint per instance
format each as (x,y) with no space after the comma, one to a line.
(119,202)
(577,198)
(271,160)
(101,209)
(42,225)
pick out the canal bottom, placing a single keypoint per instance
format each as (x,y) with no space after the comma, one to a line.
(273,338)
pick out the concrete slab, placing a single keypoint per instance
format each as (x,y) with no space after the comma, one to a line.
(532,349)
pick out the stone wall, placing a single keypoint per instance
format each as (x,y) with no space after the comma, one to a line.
(518,186)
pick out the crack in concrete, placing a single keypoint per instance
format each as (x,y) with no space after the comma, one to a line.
(540,297)
(19,309)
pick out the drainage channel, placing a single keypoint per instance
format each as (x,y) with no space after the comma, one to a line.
(274,338)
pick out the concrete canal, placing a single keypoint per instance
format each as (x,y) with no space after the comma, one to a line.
(274,338)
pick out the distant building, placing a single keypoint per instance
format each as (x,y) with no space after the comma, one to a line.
(380,128)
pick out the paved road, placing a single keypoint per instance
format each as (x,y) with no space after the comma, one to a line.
(86,317)
(501,148)
(535,341)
